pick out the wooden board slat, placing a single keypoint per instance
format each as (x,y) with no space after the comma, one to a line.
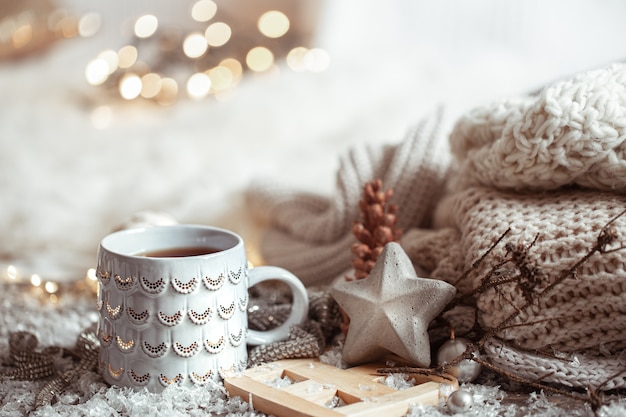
(315,384)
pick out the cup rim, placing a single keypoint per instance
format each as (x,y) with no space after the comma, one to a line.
(118,242)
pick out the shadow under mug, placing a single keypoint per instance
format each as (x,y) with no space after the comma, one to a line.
(180,319)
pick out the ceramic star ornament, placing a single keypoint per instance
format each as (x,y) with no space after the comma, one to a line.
(390,310)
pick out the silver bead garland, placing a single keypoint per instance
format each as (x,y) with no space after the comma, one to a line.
(26,362)
(305,341)
(460,401)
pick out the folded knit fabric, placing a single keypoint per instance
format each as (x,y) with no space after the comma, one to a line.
(552,170)
(311,235)
(572,133)
(584,315)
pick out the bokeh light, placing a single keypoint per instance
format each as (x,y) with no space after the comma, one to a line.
(127,56)
(35,280)
(150,85)
(203,10)
(217,34)
(97,71)
(316,60)
(259,59)
(111,58)
(146,25)
(235,68)
(69,27)
(177,58)
(22,36)
(195,45)
(169,92)
(51,287)
(12,272)
(273,24)
(198,86)
(221,78)
(296,58)
(130,86)
(89,24)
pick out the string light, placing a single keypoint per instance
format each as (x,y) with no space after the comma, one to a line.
(203,10)
(146,26)
(259,59)
(198,86)
(150,85)
(221,77)
(49,291)
(97,71)
(168,93)
(89,24)
(130,86)
(12,272)
(195,45)
(207,60)
(35,280)
(273,24)
(127,56)
(316,60)
(51,287)
(296,59)
(217,34)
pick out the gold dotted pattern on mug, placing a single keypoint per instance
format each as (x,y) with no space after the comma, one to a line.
(213,284)
(236,339)
(165,381)
(186,351)
(135,317)
(215,347)
(105,276)
(172,320)
(235,277)
(243,302)
(201,379)
(224,372)
(139,379)
(152,287)
(105,339)
(115,373)
(200,318)
(124,284)
(226,312)
(125,346)
(154,351)
(114,312)
(184,287)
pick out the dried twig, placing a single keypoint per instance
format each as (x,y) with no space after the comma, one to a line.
(528,278)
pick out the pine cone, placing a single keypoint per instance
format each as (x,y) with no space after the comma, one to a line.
(376,228)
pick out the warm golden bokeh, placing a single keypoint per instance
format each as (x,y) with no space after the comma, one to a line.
(209,59)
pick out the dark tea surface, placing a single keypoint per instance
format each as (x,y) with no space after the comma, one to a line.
(179,252)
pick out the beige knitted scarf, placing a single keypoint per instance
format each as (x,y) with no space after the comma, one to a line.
(550,171)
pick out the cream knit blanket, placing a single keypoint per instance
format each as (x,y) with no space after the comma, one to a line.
(550,167)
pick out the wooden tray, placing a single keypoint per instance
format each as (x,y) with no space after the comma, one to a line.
(316,384)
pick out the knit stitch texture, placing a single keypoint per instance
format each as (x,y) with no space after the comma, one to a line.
(311,235)
(551,168)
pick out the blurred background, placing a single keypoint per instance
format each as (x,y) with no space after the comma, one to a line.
(112,108)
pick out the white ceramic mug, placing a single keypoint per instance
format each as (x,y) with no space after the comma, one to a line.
(180,319)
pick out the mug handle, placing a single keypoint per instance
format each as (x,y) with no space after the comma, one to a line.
(299,307)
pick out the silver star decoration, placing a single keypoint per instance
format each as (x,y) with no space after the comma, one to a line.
(390,310)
